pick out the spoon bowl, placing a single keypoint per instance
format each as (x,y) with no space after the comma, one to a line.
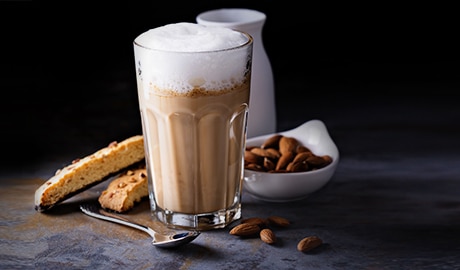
(162,240)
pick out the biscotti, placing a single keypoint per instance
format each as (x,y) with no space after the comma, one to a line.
(89,171)
(126,190)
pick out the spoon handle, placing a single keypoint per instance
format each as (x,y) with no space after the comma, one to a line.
(97,212)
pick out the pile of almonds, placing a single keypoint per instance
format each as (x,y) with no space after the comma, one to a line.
(282,154)
(263,227)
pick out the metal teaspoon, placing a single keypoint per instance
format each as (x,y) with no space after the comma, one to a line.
(159,239)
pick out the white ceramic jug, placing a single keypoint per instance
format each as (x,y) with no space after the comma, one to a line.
(262,107)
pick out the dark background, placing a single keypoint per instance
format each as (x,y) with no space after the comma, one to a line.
(68,81)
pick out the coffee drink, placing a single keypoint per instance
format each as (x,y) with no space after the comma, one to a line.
(194,88)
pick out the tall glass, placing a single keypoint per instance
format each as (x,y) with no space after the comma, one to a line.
(194,100)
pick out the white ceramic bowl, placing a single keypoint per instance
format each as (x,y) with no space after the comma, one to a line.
(284,187)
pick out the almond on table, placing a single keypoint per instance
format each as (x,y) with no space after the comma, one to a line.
(309,243)
(245,229)
(278,221)
(268,236)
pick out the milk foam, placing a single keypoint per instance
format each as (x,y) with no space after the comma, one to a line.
(182,56)
(190,37)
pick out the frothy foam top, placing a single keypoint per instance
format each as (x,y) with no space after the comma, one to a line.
(182,56)
(190,37)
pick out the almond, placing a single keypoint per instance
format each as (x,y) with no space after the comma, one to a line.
(327,159)
(250,157)
(269,152)
(288,145)
(273,153)
(297,167)
(272,142)
(284,160)
(259,151)
(309,243)
(302,149)
(122,185)
(278,221)
(302,156)
(245,229)
(268,236)
(254,167)
(261,222)
(316,161)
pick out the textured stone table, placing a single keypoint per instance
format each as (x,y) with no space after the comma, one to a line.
(66,238)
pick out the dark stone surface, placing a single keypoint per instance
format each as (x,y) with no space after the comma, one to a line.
(386,91)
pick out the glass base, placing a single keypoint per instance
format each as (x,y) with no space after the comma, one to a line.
(201,222)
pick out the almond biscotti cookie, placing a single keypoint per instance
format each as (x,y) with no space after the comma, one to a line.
(89,171)
(126,190)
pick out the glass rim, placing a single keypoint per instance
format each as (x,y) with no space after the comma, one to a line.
(249,41)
